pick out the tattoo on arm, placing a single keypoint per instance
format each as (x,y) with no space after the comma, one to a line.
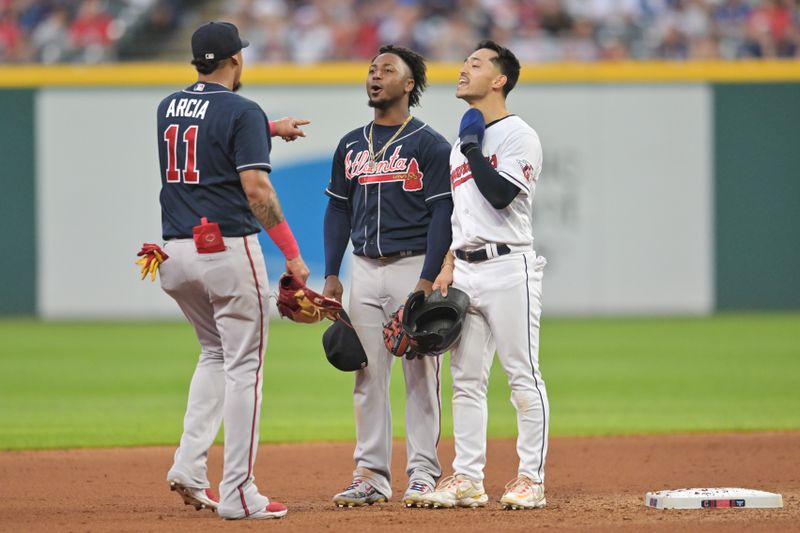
(268,212)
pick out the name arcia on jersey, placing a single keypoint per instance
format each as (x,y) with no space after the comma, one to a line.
(187,107)
(396,168)
(462,173)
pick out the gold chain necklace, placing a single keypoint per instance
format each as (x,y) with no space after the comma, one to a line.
(375,157)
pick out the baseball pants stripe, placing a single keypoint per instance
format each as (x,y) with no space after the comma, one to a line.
(221,295)
(258,372)
(534,336)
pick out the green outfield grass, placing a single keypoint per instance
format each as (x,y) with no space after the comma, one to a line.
(121,384)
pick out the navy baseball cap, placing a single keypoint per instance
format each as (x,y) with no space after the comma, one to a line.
(342,345)
(216,40)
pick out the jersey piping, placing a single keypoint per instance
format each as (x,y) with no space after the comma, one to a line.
(492,123)
(515,181)
(203,92)
(330,192)
(378,237)
(255,165)
(435,196)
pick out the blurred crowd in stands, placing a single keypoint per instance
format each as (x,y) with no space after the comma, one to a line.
(82,31)
(309,31)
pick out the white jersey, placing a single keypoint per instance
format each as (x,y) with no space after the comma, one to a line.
(512,147)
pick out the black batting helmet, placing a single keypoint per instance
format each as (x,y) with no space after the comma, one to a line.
(434,323)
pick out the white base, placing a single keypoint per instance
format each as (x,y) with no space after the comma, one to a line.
(712,499)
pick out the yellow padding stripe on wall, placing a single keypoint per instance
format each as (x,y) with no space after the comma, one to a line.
(177,74)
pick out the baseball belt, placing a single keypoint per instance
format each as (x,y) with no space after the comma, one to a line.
(398,255)
(490,251)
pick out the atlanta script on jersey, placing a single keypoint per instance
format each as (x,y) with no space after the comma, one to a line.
(389,198)
(512,147)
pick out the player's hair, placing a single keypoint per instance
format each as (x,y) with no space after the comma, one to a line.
(416,63)
(207,66)
(506,61)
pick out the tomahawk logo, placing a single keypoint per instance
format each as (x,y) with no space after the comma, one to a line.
(396,168)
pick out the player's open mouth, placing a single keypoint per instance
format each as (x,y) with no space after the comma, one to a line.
(462,81)
(374,90)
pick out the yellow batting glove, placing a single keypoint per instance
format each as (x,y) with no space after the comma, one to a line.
(151,258)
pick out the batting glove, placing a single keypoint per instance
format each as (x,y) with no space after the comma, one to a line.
(471,131)
(151,258)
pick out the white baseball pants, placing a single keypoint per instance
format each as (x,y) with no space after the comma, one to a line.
(505,308)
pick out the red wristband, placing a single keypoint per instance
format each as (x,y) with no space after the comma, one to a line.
(282,236)
(271,129)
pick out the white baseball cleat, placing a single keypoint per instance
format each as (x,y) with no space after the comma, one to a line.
(523,493)
(199,498)
(416,493)
(457,491)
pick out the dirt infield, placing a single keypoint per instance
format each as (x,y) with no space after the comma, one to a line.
(592,484)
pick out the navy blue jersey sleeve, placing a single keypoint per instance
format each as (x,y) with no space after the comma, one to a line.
(338,186)
(336,231)
(252,143)
(436,166)
(440,235)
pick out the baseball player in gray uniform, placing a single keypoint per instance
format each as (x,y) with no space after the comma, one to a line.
(214,148)
(495,165)
(390,195)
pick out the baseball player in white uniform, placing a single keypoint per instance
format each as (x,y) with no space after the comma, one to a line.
(494,167)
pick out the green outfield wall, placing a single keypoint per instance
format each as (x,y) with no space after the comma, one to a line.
(677,195)
(17,202)
(757,199)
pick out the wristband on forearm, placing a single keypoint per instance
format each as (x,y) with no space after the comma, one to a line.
(282,236)
(468,144)
(271,129)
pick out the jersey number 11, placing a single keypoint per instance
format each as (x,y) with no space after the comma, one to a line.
(190,172)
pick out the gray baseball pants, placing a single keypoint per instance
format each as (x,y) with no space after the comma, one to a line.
(224,296)
(378,288)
